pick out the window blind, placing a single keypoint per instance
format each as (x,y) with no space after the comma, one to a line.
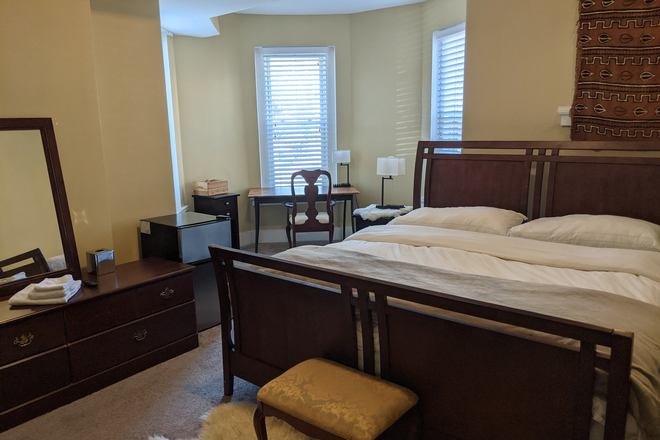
(296,108)
(447,83)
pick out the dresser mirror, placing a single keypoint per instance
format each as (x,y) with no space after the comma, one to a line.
(36,233)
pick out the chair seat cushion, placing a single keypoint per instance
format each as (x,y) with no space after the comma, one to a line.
(322,217)
(338,399)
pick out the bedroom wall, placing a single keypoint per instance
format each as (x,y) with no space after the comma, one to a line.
(47,70)
(217,101)
(380,94)
(208,87)
(133,110)
(391,51)
(520,65)
(80,64)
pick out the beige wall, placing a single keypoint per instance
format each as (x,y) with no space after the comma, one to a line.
(217,101)
(380,83)
(520,66)
(94,70)
(133,110)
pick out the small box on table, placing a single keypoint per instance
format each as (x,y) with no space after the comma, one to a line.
(211,187)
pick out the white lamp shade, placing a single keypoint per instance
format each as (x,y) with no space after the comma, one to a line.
(391,166)
(341,156)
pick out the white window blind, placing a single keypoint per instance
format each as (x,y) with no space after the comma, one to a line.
(447,83)
(296,110)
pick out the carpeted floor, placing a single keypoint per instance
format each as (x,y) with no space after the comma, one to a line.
(166,400)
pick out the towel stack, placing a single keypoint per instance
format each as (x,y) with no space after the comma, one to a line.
(18,276)
(49,291)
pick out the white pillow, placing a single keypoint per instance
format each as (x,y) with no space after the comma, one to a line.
(607,231)
(473,218)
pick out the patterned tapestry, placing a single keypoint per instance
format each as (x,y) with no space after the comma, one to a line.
(617,88)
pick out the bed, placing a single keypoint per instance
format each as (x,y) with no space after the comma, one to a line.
(497,346)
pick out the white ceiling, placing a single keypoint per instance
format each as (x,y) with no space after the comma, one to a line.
(193,17)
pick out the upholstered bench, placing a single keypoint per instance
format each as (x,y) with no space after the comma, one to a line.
(330,401)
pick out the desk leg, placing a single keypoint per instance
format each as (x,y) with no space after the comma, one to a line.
(343,223)
(256,225)
(352,222)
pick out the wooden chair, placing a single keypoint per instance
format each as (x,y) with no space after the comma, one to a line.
(329,401)
(36,267)
(311,220)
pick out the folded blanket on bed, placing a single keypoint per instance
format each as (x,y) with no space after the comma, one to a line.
(582,305)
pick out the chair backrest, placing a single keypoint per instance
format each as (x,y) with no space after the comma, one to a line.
(36,267)
(311,193)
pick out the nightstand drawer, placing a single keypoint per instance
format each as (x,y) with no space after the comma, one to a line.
(30,337)
(109,349)
(164,294)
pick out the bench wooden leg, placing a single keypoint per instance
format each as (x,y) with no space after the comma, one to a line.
(260,422)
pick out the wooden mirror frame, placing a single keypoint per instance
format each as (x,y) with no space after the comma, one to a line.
(45,127)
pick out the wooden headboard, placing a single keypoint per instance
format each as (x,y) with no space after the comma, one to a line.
(541,178)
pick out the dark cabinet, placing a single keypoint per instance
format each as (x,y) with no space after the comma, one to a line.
(226,204)
(50,355)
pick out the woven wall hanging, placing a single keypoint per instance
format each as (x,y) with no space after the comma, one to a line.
(617,87)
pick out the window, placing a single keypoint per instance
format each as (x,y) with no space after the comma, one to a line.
(447,83)
(296,110)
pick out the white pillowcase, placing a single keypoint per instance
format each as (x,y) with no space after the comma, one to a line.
(472,218)
(607,231)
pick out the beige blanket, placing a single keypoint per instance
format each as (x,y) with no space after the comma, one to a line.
(583,305)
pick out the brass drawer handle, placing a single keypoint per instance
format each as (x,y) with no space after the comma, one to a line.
(24,341)
(167,293)
(140,334)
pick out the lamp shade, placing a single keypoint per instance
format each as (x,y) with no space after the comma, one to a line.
(341,156)
(391,166)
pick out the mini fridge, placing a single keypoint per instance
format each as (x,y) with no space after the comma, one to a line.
(185,238)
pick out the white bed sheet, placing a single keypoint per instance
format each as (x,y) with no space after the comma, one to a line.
(633,274)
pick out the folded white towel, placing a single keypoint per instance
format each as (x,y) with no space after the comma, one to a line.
(49,284)
(55,293)
(18,276)
(22,298)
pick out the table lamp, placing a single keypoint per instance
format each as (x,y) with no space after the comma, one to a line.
(389,166)
(343,158)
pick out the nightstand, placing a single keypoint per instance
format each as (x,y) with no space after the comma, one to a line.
(226,204)
(361,223)
(383,216)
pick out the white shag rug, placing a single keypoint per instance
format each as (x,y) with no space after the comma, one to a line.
(233,421)
(372,213)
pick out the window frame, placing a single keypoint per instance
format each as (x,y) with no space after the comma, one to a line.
(262,119)
(438,37)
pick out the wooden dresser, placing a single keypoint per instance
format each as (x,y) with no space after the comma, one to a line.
(137,317)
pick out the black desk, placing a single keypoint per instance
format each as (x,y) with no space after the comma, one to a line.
(283,194)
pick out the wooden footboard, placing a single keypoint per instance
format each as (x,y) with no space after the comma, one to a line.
(474,380)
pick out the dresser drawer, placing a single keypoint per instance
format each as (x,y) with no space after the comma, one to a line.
(214,206)
(100,314)
(106,350)
(23,381)
(164,294)
(31,336)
